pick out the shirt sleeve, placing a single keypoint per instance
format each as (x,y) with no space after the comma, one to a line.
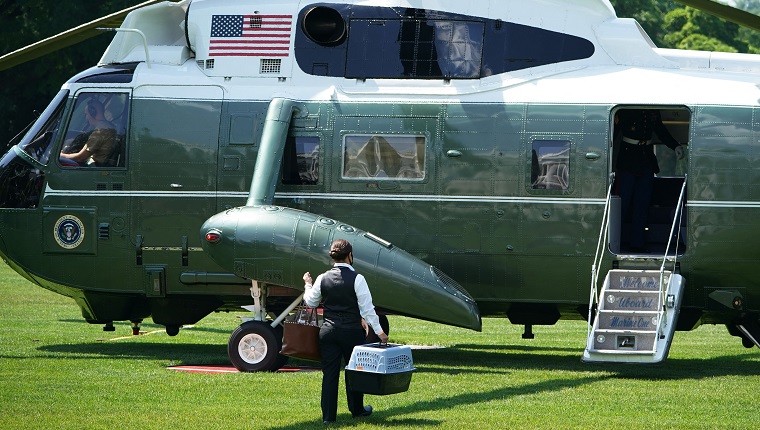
(312,296)
(366,308)
(663,133)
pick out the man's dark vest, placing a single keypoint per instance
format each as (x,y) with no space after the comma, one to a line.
(341,306)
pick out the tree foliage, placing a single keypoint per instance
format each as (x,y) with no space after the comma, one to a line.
(648,13)
(751,37)
(29,87)
(672,25)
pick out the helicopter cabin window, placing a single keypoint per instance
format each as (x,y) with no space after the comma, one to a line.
(389,157)
(414,43)
(420,48)
(301,161)
(550,165)
(96,132)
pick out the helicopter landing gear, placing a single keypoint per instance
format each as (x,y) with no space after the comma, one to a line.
(371,336)
(109,326)
(748,330)
(172,329)
(136,327)
(255,347)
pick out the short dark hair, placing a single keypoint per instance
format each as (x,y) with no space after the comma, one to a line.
(339,249)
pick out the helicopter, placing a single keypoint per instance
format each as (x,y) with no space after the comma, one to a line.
(468,151)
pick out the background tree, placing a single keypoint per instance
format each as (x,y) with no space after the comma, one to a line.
(690,28)
(648,13)
(30,86)
(751,37)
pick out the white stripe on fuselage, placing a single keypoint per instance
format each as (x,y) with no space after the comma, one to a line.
(378,197)
(324,196)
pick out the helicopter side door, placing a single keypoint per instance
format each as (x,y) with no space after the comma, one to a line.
(173,167)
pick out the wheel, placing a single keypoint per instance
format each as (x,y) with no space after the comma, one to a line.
(172,329)
(371,336)
(747,343)
(255,347)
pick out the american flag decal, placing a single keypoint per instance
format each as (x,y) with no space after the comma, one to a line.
(250,35)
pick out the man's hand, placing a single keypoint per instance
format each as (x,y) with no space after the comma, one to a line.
(679,152)
(307,279)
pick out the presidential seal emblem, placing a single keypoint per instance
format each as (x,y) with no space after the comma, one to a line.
(68,231)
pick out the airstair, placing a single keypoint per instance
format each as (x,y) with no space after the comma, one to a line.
(633,317)
(636,316)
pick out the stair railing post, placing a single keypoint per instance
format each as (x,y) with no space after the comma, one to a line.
(677,219)
(595,266)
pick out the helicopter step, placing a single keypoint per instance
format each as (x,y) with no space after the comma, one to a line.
(636,317)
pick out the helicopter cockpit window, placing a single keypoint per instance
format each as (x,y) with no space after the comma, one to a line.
(41,137)
(550,165)
(96,133)
(384,157)
(301,161)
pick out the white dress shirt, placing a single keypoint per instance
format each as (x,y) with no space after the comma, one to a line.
(313,296)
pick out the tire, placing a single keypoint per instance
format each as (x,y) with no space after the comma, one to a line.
(172,329)
(371,336)
(255,346)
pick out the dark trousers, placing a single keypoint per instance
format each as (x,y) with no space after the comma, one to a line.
(336,344)
(635,193)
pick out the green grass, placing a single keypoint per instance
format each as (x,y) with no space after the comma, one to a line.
(56,371)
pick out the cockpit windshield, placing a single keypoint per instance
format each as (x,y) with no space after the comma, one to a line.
(39,140)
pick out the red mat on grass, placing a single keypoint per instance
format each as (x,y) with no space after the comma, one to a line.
(228,368)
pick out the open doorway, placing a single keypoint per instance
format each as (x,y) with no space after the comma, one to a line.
(650,159)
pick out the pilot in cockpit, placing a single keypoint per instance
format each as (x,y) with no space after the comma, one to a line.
(97,145)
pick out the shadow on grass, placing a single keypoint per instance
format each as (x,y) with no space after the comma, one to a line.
(385,418)
(470,358)
(479,359)
(178,353)
(459,359)
(152,326)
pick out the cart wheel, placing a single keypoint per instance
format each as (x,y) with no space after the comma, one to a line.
(255,347)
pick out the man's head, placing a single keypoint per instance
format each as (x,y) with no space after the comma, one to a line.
(93,110)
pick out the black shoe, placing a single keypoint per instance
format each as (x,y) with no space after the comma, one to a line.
(328,421)
(365,413)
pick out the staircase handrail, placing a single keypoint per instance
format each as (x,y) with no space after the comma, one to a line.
(677,221)
(595,266)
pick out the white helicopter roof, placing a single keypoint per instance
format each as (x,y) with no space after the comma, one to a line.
(253,47)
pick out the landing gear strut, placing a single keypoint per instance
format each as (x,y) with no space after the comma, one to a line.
(528,333)
(136,327)
(748,330)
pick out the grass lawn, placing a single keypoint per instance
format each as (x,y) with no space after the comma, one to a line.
(56,371)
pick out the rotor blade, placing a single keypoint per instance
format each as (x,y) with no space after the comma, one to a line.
(729,13)
(67,38)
